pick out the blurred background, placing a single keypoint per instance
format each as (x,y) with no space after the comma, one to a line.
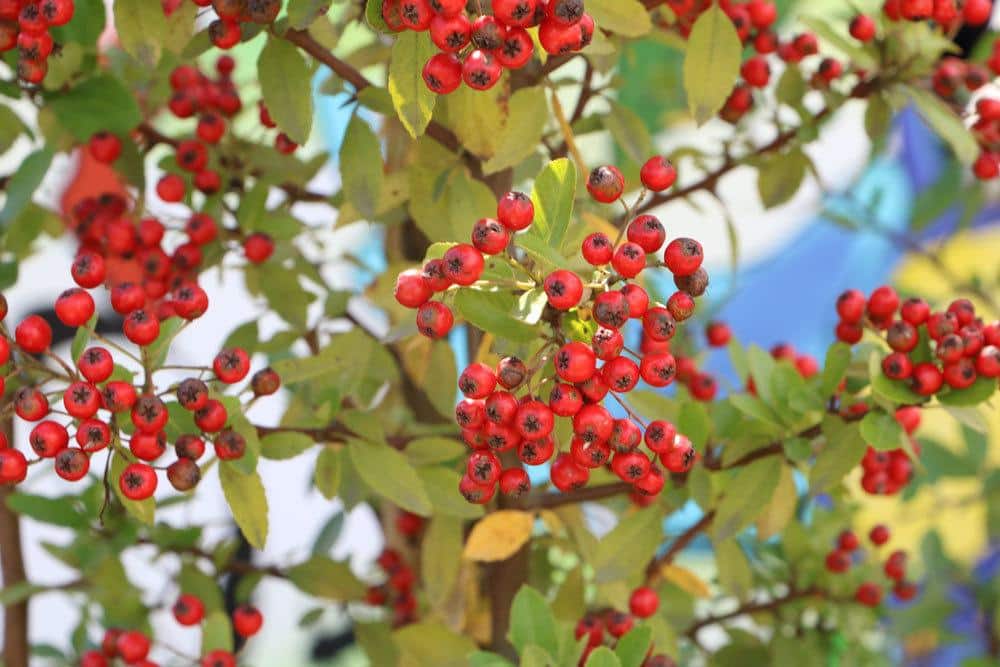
(777,283)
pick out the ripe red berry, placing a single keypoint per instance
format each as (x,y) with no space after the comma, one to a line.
(463,264)
(647,232)
(105,147)
(515,211)
(564,289)
(883,302)
(659,436)
(566,474)
(81,400)
(658,369)
(756,72)
(611,309)
(605,184)
(862,28)
(683,256)
(474,492)
(597,249)
(74,307)
(231,365)
(879,535)
(483,467)
(72,464)
(480,70)
(644,602)
(659,324)
(33,334)
(620,374)
(851,306)
(838,561)
(680,457)
(141,327)
(118,396)
(13,466)
(258,247)
(219,657)
(188,609)
(212,417)
(489,236)
(534,420)
(514,482)
(629,260)
(977,12)
(658,174)
(93,435)
(593,423)
(229,445)
(477,381)
(434,319)
(575,362)
(132,646)
(565,400)
(516,48)
(443,73)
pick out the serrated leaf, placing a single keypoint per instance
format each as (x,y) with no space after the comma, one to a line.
(361,166)
(552,195)
(101,103)
(498,536)
(628,18)
(389,474)
(246,498)
(325,578)
(286,86)
(745,497)
(711,63)
(485,310)
(413,101)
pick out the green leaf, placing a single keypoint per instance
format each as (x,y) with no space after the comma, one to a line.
(629,132)
(19,592)
(946,123)
(628,547)
(441,559)
(477,117)
(284,445)
(62,511)
(23,183)
(325,578)
(486,310)
(301,13)
(552,196)
(431,644)
(285,84)
(434,449)
(157,351)
(532,622)
(842,452)
(486,659)
(527,114)
(628,18)
(284,292)
(838,358)
(761,366)
(602,656)
(194,581)
(327,475)
(980,391)
(895,391)
(11,127)
(413,101)
(735,575)
(142,28)
(441,485)
(361,166)
(388,473)
(878,118)
(632,648)
(746,496)
(373,15)
(780,176)
(246,498)
(711,63)
(881,431)
(376,639)
(693,421)
(216,632)
(99,103)
(143,510)
(445,204)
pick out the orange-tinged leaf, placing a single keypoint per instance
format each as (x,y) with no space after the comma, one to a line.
(685,579)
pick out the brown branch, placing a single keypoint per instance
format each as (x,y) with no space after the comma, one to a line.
(653,573)
(755,607)
(585,494)
(16,649)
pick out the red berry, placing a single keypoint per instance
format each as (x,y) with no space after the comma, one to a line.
(519,13)
(480,70)
(105,147)
(566,474)
(212,417)
(516,48)
(514,482)
(680,457)
(231,365)
(33,334)
(564,289)
(118,396)
(756,72)
(443,73)
(879,535)
(883,302)
(620,374)
(93,435)
(838,561)
(13,466)
(593,423)
(683,256)
(477,381)
(659,324)
(258,247)
(229,445)
(644,602)
(188,609)
(658,369)
(629,260)
(141,327)
(474,492)
(977,12)
(597,249)
(463,264)
(658,174)
(575,362)
(74,307)
(565,400)
(611,309)
(851,306)
(489,236)
(132,646)
(647,232)
(515,211)
(88,269)
(718,334)
(483,467)
(605,184)
(81,400)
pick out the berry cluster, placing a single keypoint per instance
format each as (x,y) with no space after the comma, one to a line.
(869,593)
(133,646)
(964,348)
(949,14)
(885,473)
(753,20)
(397,589)
(25,24)
(606,627)
(478,49)
(214,101)
(494,419)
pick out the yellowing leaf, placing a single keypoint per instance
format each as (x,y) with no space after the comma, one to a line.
(686,580)
(413,101)
(781,509)
(623,17)
(711,63)
(499,536)
(245,495)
